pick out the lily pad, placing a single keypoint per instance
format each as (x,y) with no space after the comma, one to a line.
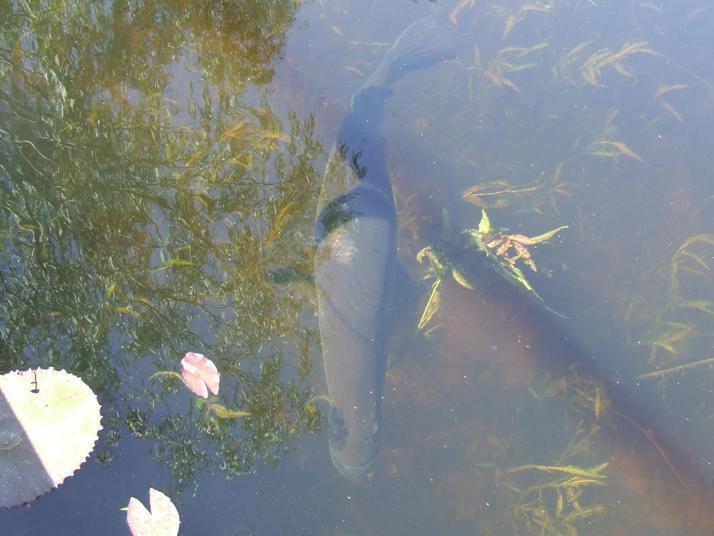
(163,520)
(49,420)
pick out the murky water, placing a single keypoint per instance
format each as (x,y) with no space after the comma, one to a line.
(160,160)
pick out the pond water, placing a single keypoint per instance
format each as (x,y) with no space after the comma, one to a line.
(160,171)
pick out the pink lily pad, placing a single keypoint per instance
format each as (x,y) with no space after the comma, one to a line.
(163,520)
(200,374)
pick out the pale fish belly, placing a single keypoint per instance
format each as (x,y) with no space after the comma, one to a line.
(353,273)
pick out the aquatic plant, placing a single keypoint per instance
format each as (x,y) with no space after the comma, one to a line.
(552,499)
(136,217)
(498,250)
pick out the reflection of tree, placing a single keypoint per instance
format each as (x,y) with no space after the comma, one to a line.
(130,235)
(245,33)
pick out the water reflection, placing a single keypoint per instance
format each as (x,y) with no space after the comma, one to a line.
(136,227)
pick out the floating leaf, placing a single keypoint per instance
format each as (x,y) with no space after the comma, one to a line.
(223,412)
(166,374)
(49,421)
(163,520)
(200,374)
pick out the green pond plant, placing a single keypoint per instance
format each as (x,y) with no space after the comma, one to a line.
(500,251)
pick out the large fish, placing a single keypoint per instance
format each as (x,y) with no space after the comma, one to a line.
(355,256)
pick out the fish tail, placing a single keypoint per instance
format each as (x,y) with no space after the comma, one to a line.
(422,44)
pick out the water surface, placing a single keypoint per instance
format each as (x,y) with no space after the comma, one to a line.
(159,159)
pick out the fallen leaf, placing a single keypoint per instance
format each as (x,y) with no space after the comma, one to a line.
(200,374)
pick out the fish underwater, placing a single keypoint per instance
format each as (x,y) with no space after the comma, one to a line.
(355,256)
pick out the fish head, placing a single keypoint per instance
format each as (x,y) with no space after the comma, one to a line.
(354,441)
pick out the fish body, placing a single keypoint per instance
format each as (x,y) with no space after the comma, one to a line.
(355,257)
